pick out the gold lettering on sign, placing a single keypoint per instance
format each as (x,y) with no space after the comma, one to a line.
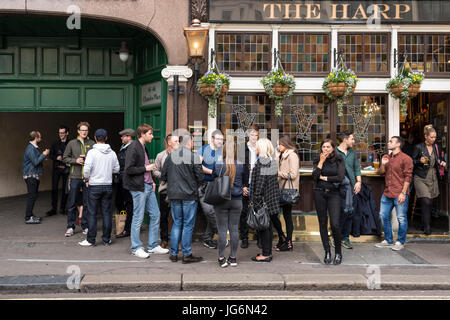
(311,10)
(361,12)
(344,11)
(377,12)
(287,11)
(398,10)
(272,9)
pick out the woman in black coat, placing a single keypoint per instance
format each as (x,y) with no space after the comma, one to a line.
(328,173)
(427,159)
(264,190)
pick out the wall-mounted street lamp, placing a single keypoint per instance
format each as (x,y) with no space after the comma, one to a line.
(196,37)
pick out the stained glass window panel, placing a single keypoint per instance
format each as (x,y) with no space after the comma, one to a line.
(414,48)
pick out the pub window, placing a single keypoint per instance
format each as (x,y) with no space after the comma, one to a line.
(305,53)
(244,52)
(365,116)
(426,53)
(310,118)
(366,53)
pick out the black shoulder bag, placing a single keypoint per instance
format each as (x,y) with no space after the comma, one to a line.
(218,191)
(289,196)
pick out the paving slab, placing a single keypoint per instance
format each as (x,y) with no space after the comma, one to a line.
(215,282)
(325,282)
(34,284)
(415,282)
(130,282)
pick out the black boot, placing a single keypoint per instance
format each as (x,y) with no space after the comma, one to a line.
(327,259)
(337,259)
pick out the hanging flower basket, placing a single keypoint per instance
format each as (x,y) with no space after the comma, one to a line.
(212,86)
(340,85)
(278,86)
(404,86)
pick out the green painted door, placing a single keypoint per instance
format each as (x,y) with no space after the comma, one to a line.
(154,118)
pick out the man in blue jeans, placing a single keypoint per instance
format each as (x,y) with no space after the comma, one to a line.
(138,180)
(100,165)
(184,174)
(398,168)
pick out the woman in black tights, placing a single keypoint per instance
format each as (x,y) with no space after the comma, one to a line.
(427,160)
(328,173)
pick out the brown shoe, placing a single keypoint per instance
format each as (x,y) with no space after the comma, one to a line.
(123,234)
(164,244)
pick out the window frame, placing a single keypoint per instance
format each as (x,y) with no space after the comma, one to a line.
(361,74)
(309,74)
(247,73)
(426,44)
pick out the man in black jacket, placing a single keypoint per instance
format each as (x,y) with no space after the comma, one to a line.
(124,200)
(138,179)
(60,170)
(184,174)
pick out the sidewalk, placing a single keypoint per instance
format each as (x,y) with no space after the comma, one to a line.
(38,258)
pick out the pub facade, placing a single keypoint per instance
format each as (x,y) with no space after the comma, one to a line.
(374,39)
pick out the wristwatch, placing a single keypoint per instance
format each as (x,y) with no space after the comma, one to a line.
(404,193)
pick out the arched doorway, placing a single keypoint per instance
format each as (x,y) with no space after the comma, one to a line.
(50,74)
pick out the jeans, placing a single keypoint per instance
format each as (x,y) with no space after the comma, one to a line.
(386,207)
(328,202)
(124,201)
(346,219)
(32,188)
(72,213)
(144,202)
(210,215)
(183,214)
(99,195)
(58,174)
(228,214)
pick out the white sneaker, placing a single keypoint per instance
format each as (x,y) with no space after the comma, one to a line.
(69,232)
(85,243)
(140,253)
(159,250)
(85,231)
(398,246)
(384,244)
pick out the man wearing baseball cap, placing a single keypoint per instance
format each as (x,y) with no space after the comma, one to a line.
(124,200)
(100,165)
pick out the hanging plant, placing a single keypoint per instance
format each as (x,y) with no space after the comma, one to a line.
(404,86)
(278,86)
(340,85)
(212,86)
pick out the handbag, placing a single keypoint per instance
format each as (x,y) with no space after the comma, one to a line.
(218,190)
(259,219)
(289,196)
(441,168)
(120,218)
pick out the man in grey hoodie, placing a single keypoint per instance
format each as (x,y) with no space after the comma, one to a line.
(100,165)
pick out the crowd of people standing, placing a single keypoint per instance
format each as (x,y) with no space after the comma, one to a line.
(90,169)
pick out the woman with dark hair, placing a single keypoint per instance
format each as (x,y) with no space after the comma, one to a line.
(328,173)
(427,159)
(288,169)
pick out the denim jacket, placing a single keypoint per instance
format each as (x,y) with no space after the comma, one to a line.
(32,161)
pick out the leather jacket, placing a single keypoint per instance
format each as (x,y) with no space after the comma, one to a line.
(421,169)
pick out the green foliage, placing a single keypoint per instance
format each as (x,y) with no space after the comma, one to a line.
(278,76)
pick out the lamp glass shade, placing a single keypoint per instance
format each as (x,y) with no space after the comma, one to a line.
(196,40)
(123,56)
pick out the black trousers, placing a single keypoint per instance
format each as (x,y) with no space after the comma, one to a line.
(32,188)
(265,237)
(59,174)
(164,209)
(328,203)
(287,216)
(124,201)
(426,205)
(243,227)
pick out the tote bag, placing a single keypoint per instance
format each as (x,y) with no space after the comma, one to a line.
(218,191)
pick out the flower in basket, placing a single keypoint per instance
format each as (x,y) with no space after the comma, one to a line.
(404,86)
(213,85)
(278,85)
(339,85)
